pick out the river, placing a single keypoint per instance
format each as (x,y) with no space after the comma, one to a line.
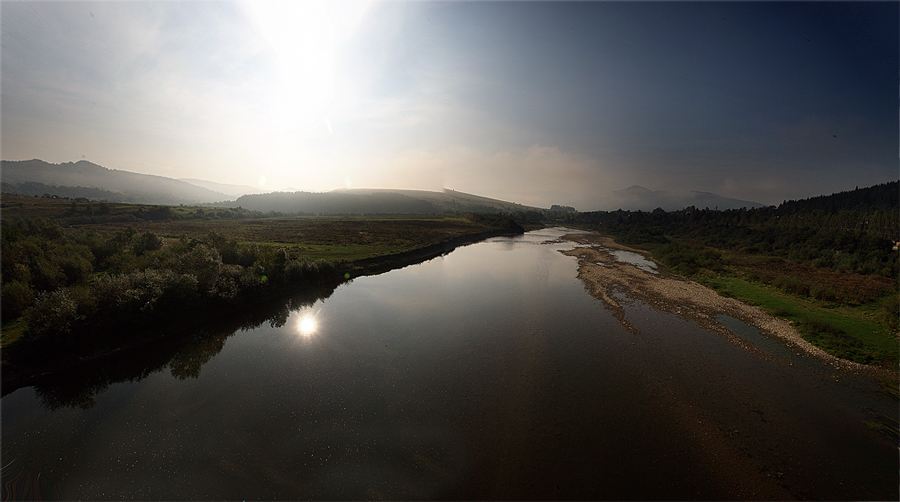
(486,373)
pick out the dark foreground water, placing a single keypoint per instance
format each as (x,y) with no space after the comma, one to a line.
(488,373)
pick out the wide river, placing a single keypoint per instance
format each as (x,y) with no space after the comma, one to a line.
(487,373)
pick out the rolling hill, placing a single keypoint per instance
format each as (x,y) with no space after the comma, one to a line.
(375,201)
(86,179)
(36,177)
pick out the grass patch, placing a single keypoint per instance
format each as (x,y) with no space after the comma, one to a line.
(350,252)
(846,332)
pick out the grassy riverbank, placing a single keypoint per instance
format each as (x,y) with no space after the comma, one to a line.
(849,315)
(828,264)
(75,286)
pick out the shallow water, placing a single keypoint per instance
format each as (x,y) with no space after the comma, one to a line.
(488,373)
(635,259)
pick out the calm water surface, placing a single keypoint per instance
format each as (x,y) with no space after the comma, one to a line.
(487,373)
(635,259)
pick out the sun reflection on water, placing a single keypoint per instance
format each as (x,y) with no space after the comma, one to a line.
(307,324)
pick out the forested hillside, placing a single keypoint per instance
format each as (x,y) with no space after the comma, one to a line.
(876,198)
(851,231)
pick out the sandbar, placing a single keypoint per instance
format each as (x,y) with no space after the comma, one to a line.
(612,282)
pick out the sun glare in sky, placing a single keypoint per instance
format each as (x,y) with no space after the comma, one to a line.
(534,102)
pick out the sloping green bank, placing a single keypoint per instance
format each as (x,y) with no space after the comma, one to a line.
(850,315)
(147,289)
(842,331)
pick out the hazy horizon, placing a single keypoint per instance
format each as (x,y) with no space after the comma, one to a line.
(534,103)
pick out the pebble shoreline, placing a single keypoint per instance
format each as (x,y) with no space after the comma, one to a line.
(608,280)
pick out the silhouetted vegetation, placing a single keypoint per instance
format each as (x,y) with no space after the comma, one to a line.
(183,356)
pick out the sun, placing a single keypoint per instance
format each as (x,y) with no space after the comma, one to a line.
(301,39)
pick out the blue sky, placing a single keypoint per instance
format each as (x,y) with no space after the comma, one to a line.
(539,103)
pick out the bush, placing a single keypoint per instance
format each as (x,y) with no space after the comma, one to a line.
(46,275)
(45,228)
(76,267)
(202,262)
(143,292)
(16,297)
(824,293)
(251,278)
(791,285)
(53,314)
(147,242)
(272,261)
(305,270)
(227,284)
(178,292)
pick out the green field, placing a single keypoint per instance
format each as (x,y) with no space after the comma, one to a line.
(338,238)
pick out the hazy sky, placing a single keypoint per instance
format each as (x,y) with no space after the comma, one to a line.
(539,103)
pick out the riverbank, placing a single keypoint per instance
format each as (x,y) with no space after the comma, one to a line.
(21,371)
(609,280)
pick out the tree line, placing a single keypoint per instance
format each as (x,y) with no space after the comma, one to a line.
(852,231)
(61,287)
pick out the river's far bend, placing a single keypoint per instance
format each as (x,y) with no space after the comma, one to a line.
(488,373)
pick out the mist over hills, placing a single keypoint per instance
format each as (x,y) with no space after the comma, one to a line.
(232,191)
(29,176)
(86,179)
(89,180)
(636,198)
(375,201)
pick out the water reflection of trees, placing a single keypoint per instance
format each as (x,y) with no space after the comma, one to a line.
(184,357)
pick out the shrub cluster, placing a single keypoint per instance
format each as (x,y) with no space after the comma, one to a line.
(688,259)
(67,283)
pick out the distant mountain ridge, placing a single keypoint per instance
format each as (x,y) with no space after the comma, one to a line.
(638,198)
(86,179)
(225,188)
(89,180)
(375,201)
(122,186)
